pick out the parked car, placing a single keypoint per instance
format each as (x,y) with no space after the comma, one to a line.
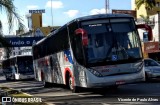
(152,69)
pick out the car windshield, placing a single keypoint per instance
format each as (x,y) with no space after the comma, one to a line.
(112,40)
(150,63)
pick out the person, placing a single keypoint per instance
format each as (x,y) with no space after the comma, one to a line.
(124,41)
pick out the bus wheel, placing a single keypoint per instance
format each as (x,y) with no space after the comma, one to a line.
(74,89)
(46,84)
(7,79)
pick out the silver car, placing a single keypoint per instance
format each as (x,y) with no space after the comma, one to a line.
(152,69)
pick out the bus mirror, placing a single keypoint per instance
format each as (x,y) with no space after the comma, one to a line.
(148,29)
(84,35)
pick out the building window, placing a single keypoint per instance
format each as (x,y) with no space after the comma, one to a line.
(158,4)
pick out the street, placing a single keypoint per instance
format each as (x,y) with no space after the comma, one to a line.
(145,93)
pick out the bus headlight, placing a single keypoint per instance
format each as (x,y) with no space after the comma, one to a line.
(140,66)
(96,73)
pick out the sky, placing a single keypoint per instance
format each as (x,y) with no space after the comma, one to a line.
(63,11)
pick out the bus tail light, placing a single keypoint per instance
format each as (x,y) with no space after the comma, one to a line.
(84,35)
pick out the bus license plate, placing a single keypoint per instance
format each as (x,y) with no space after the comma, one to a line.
(120,82)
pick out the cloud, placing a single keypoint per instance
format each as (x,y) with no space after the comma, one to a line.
(72,13)
(97,11)
(55,4)
(32,7)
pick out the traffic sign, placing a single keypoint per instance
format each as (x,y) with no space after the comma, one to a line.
(38,32)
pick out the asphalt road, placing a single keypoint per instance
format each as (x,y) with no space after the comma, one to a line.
(146,93)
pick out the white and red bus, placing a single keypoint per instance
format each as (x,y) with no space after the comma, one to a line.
(91,52)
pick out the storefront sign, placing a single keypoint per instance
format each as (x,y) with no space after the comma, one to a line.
(37,11)
(22,41)
(151,47)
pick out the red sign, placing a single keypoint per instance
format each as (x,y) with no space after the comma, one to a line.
(151,47)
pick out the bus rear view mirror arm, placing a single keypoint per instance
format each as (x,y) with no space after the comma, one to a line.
(84,35)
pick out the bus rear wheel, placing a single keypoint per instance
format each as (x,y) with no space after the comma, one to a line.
(73,88)
(46,84)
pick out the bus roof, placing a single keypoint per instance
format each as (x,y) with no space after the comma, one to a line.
(90,17)
(100,16)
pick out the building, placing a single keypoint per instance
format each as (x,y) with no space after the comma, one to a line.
(151,49)
(36,29)
(153,18)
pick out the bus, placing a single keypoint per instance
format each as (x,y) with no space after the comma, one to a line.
(18,67)
(91,52)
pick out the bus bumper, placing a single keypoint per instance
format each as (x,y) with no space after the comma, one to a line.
(97,82)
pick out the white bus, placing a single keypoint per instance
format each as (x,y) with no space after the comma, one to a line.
(91,52)
(18,67)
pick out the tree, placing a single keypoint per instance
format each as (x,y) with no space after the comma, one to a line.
(7,7)
(145,18)
(149,4)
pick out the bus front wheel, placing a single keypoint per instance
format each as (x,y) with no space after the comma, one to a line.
(7,79)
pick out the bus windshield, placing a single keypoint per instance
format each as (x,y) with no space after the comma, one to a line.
(111,40)
(26,66)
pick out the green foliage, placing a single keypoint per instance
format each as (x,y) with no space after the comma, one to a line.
(149,4)
(145,18)
(8,7)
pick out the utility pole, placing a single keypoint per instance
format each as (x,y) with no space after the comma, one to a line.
(107,6)
(51,13)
